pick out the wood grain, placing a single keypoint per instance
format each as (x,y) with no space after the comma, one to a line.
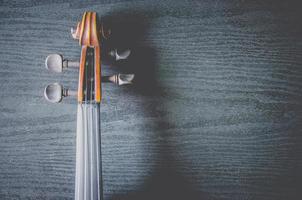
(215,112)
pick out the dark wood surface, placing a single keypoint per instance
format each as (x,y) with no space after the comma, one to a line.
(215,112)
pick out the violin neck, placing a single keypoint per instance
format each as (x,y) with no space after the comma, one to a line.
(88,184)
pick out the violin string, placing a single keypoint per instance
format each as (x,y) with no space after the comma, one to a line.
(91,130)
(86,65)
(92,77)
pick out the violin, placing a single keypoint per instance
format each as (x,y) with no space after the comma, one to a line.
(90,34)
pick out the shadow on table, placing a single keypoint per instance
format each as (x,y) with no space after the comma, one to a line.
(128,31)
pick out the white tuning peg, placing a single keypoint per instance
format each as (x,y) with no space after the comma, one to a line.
(119,79)
(55,92)
(56,63)
(74,32)
(120,55)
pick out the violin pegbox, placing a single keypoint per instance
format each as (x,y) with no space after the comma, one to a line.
(90,34)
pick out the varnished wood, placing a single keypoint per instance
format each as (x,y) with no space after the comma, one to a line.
(97,74)
(89,37)
(81,74)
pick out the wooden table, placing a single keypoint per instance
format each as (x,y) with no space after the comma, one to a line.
(215,112)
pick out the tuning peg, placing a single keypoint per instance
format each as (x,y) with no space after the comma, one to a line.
(56,63)
(105,31)
(119,79)
(75,32)
(55,92)
(120,55)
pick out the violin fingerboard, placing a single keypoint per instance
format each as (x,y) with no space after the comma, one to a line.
(88,184)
